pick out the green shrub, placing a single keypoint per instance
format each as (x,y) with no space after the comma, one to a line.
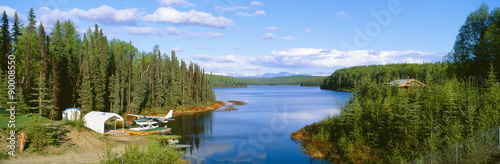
(154,153)
(77,123)
(40,136)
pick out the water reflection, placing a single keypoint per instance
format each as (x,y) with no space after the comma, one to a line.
(257,132)
(191,125)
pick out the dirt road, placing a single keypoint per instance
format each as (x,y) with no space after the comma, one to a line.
(86,147)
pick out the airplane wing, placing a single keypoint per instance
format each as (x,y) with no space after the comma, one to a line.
(155,117)
(136,115)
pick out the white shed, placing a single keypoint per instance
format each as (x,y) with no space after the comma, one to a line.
(71,114)
(96,120)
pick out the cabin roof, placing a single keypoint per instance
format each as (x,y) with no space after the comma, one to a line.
(406,83)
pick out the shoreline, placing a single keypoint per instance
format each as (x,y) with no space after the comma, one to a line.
(345,90)
(189,109)
(195,109)
(307,142)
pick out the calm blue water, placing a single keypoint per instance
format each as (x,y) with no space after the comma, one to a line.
(258,132)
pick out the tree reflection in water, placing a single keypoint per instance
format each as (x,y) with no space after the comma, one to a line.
(191,125)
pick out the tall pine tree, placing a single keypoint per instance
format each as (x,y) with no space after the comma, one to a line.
(5,41)
(16,29)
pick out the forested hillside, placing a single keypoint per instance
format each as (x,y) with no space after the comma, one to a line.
(381,74)
(286,80)
(64,69)
(388,125)
(455,116)
(219,81)
(314,82)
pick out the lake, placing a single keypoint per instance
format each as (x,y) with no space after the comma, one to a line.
(258,132)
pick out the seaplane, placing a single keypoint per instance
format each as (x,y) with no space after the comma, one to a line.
(150,122)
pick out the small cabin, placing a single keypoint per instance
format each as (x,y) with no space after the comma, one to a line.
(406,83)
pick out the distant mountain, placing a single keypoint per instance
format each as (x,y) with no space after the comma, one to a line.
(281,74)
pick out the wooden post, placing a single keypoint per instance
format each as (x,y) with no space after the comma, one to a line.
(22,140)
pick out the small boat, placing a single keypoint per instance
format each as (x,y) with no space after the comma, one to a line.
(174,144)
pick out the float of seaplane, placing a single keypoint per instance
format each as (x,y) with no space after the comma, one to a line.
(150,122)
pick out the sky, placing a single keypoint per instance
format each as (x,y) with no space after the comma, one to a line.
(250,38)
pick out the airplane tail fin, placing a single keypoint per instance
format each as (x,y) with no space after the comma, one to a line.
(169,114)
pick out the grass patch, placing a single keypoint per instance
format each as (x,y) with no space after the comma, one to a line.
(22,121)
(154,153)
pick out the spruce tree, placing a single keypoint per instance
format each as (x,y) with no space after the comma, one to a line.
(69,64)
(102,78)
(191,82)
(5,41)
(16,29)
(40,98)
(140,88)
(159,84)
(183,84)
(114,88)
(27,56)
(174,88)
(31,20)
(130,69)
(58,67)
(43,53)
(86,89)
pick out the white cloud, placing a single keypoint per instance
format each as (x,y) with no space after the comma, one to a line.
(230,64)
(306,60)
(104,14)
(10,14)
(343,15)
(271,28)
(269,36)
(188,35)
(204,47)
(216,59)
(256,13)
(214,35)
(177,49)
(256,3)
(142,30)
(232,8)
(192,17)
(308,30)
(176,3)
(180,32)
(288,38)
(310,57)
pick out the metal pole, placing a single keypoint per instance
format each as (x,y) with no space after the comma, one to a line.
(456,153)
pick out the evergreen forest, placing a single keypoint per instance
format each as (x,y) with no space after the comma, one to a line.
(63,69)
(219,81)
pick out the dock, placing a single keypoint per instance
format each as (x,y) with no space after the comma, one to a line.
(158,130)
